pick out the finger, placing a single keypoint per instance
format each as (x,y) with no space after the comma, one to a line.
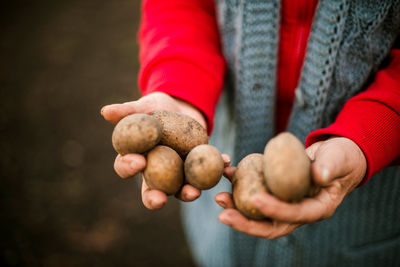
(152,199)
(129,165)
(306,211)
(331,162)
(310,151)
(225,200)
(188,193)
(227,160)
(265,229)
(115,112)
(229,172)
(339,157)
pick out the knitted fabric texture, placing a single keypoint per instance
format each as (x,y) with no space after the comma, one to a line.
(348,42)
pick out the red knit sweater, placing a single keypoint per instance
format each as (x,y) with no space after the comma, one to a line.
(180,55)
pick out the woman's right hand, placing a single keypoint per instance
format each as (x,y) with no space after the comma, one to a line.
(131,164)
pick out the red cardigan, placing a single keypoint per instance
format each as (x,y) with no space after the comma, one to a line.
(180,55)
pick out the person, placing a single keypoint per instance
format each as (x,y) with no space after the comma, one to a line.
(327,71)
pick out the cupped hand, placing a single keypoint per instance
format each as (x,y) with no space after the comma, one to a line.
(338,166)
(131,164)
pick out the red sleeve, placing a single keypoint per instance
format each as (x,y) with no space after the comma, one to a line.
(372,119)
(180,52)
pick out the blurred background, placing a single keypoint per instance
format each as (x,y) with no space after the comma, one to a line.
(61,202)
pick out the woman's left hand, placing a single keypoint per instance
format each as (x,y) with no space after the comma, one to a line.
(338,166)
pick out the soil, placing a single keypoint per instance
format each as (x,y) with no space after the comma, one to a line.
(62,204)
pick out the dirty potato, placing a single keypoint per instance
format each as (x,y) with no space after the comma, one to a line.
(248,180)
(164,170)
(203,167)
(287,168)
(180,132)
(136,133)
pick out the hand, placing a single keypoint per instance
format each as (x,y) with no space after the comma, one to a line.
(338,166)
(129,165)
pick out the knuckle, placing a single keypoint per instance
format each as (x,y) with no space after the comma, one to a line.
(151,103)
(330,211)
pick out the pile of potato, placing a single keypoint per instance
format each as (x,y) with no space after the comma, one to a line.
(284,170)
(177,152)
(176,149)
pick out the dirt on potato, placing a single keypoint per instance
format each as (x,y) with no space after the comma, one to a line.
(164,170)
(180,132)
(136,133)
(248,180)
(203,167)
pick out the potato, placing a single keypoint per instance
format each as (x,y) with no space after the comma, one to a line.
(248,180)
(203,167)
(180,132)
(136,133)
(287,168)
(164,170)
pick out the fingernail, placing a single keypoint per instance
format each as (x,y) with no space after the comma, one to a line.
(102,110)
(325,175)
(226,158)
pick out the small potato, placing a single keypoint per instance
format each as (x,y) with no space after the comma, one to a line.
(203,167)
(248,180)
(136,133)
(287,168)
(180,132)
(164,170)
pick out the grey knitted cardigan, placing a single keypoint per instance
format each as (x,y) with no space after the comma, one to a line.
(348,41)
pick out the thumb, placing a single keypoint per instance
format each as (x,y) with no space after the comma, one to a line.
(115,112)
(330,162)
